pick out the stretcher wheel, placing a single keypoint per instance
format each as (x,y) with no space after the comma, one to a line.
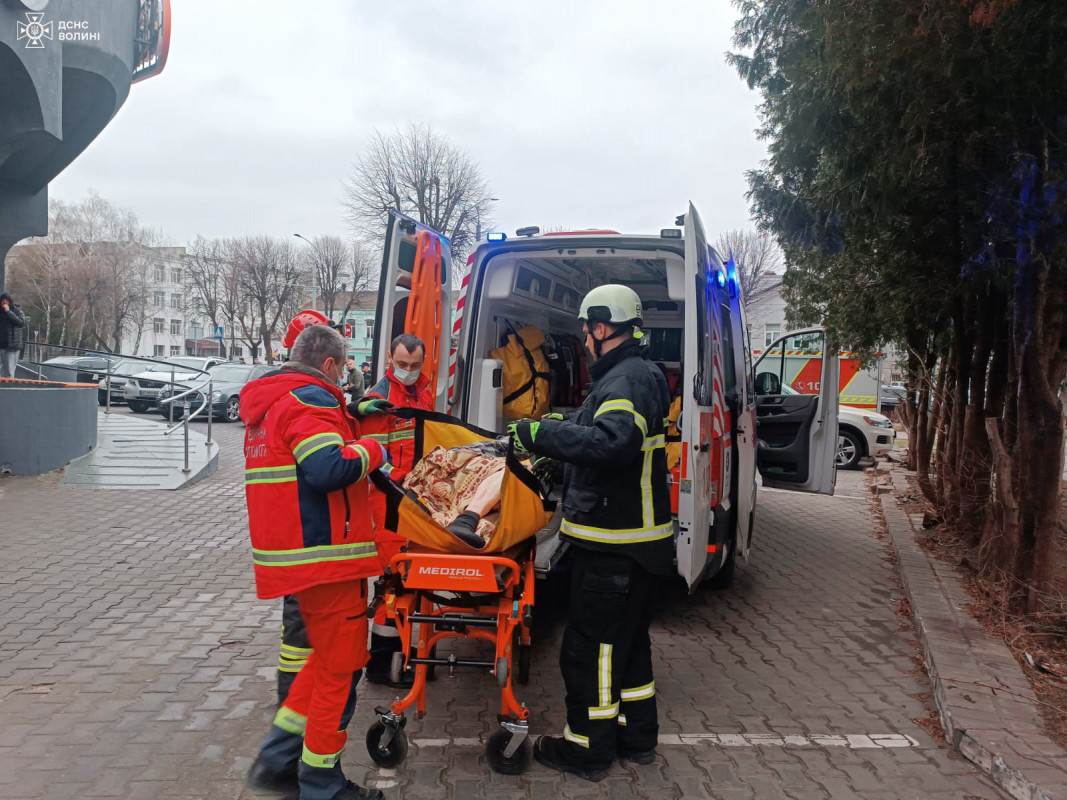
(391,755)
(522,674)
(498,762)
(502,672)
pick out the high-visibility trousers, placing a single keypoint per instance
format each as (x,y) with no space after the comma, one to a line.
(335,615)
(606,659)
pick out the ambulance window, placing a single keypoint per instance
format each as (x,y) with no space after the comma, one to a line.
(750,389)
(702,389)
(729,365)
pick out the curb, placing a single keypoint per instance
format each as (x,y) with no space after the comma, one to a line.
(986,705)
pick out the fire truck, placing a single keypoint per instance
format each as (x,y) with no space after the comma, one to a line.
(731,427)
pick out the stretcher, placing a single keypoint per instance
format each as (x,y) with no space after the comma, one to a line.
(439,588)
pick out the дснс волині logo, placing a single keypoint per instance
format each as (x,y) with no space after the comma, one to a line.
(34,31)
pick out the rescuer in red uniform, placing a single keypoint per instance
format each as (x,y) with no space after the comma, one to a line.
(404,386)
(312,537)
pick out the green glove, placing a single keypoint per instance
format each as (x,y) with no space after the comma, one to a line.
(523,433)
(373,405)
(554,415)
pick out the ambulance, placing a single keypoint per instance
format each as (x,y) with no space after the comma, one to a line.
(729,428)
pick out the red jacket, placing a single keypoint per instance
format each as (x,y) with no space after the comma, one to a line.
(398,435)
(305,469)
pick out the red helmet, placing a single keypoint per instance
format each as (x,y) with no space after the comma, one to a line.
(301,321)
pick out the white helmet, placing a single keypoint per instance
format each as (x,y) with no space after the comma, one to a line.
(611,303)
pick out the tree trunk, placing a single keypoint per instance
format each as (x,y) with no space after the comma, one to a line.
(975,454)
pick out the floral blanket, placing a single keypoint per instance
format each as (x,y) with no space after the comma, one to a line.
(445,481)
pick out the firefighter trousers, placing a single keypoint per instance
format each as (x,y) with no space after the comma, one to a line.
(606,659)
(322,696)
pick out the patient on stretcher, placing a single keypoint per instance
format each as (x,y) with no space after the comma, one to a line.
(461,488)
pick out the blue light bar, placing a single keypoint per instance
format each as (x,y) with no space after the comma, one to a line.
(496,236)
(721,278)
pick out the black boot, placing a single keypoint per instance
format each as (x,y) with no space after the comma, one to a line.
(463,528)
(549,750)
(353,791)
(261,776)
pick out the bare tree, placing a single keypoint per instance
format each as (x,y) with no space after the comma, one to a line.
(208,270)
(269,274)
(757,258)
(423,174)
(329,262)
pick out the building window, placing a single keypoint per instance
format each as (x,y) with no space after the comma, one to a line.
(175,350)
(175,275)
(161,273)
(157,351)
(175,327)
(368,332)
(771,331)
(175,301)
(238,351)
(159,299)
(157,325)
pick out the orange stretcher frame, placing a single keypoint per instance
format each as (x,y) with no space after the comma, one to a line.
(423,316)
(503,586)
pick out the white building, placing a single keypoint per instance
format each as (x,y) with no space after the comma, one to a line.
(766,315)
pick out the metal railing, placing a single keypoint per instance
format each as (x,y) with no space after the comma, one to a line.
(39,364)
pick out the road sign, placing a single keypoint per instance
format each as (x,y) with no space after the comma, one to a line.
(218,332)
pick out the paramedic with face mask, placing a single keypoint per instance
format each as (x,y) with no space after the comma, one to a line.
(404,386)
(617,519)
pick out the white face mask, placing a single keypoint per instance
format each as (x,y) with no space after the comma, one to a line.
(405,377)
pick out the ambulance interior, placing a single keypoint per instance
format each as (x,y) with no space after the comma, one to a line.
(545,290)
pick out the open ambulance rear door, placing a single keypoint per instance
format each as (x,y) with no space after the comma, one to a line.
(705,465)
(414,296)
(796,412)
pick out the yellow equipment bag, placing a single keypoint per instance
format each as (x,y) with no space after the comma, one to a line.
(523,511)
(673,436)
(525,375)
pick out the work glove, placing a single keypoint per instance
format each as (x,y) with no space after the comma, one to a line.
(554,415)
(372,405)
(523,434)
(386,467)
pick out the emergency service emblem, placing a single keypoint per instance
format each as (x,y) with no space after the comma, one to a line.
(34,31)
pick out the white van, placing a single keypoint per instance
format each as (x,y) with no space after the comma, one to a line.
(694,326)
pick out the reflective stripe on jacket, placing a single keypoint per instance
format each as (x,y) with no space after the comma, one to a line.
(616,496)
(305,471)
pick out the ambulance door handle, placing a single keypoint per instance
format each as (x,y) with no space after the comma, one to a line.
(702,448)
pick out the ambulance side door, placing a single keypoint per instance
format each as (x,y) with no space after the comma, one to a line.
(796,382)
(744,420)
(695,489)
(414,296)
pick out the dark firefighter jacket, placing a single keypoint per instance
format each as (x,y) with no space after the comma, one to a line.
(616,496)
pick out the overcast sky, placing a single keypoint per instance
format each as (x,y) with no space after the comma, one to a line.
(581,114)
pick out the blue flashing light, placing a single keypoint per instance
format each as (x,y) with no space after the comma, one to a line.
(496,236)
(721,278)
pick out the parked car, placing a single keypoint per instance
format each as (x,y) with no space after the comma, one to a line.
(227,381)
(860,432)
(892,396)
(120,371)
(142,390)
(76,369)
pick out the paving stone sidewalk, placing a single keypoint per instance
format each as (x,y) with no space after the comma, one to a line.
(986,704)
(137,663)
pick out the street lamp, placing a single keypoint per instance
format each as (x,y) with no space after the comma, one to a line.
(317,253)
(478,223)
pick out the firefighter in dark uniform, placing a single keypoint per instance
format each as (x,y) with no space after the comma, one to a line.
(617,519)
